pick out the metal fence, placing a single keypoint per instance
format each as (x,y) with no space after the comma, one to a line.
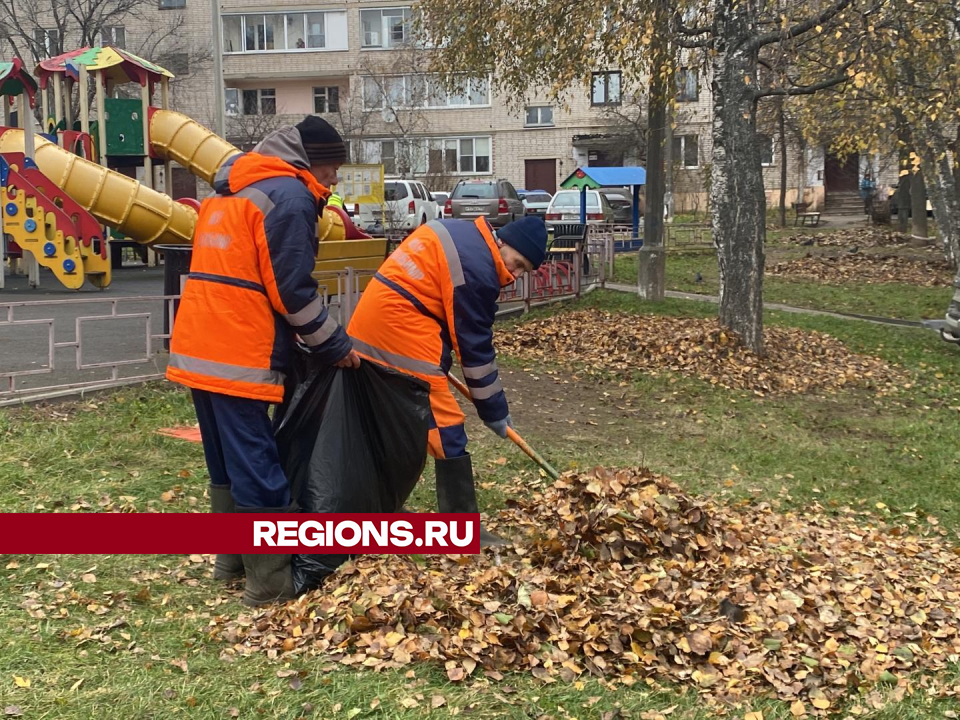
(57,348)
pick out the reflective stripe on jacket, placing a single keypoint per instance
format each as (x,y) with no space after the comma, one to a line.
(437,294)
(250,290)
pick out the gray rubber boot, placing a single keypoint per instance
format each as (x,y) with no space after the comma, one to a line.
(269,577)
(227,567)
(456,493)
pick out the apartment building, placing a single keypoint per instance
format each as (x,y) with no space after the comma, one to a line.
(357,63)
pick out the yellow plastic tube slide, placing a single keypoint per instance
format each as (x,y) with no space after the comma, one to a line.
(174,136)
(114,199)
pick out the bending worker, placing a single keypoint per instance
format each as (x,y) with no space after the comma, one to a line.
(248,296)
(437,295)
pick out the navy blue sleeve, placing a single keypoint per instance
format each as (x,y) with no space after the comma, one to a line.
(291,231)
(474,309)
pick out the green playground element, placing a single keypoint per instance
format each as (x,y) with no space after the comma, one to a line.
(124,127)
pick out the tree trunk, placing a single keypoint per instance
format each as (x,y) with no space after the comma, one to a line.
(783,167)
(941,185)
(903,194)
(918,205)
(737,198)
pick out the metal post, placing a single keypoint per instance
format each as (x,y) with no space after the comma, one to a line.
(526,279)
(165,104)
(145,116)
(44,108)
(84,109)
(577,268)
(68,103)
(57,99)
(25,116)
(583,204)
(218,91)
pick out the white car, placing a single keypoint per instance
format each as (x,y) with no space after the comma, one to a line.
(535,202)
(407,205)
(565,208)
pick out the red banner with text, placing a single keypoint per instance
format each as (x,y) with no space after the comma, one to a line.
(188,533)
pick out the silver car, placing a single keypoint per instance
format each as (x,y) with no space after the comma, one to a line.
(496,200)
(565,208)
(536,202)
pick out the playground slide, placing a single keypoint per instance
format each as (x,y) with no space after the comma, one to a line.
(114,199)
(174,136)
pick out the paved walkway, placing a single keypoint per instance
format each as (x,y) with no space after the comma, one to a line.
(775,306)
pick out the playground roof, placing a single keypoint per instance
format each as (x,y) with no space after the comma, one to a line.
(115,63)
(598,177)
(14,80)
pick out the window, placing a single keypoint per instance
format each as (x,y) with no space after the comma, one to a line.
(688,89)
(420,91)
(256,102)
(284,32)
(113,35)
(766,149)
(466,155)
(172,4)
(232,98)
(606,88)
(385,28)
(686,151)
(539,117)
(48,41)
(326,99)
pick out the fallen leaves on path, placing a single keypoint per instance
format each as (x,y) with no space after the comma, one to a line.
(797,361)
(620,575)
(867,268)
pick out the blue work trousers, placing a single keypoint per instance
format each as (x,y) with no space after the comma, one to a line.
(240,449)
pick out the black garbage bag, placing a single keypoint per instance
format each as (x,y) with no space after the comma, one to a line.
(351,441)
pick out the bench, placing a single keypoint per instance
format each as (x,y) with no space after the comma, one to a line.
(803,214)
(364,257)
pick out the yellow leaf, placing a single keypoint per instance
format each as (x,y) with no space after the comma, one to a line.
(821,703)
(798,709)
(753,716)
(21,682)
(819,29)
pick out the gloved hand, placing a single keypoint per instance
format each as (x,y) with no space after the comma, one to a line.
(500,426)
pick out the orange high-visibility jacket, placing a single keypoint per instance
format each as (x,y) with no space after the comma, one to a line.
(437,294)
(250,291)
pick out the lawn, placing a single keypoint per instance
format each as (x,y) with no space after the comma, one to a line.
(109,636)
(890,300)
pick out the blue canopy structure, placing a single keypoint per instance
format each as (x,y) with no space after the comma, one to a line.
(592,178)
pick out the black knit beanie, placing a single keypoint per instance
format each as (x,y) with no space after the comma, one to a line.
(321,141)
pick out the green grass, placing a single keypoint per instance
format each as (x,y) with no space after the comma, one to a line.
(893,300)
(146,612)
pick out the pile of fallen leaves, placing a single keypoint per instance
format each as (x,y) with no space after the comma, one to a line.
(620,575)
(868,268)
(601,342)
(863,237)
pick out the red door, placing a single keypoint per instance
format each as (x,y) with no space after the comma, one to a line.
(541,175)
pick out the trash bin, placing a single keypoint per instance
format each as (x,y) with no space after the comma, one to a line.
(176,265)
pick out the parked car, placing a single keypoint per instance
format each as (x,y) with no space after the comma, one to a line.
(565,207)
(407,204)
(535,202)
(496,200)
(441,200)
(622,204)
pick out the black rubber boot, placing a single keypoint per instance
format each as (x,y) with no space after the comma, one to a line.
(227,567)
(456,493)
(269,577)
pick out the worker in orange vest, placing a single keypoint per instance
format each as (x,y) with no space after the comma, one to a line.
(434,297)
(248,298)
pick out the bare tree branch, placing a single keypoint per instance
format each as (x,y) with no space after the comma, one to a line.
(801,27)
